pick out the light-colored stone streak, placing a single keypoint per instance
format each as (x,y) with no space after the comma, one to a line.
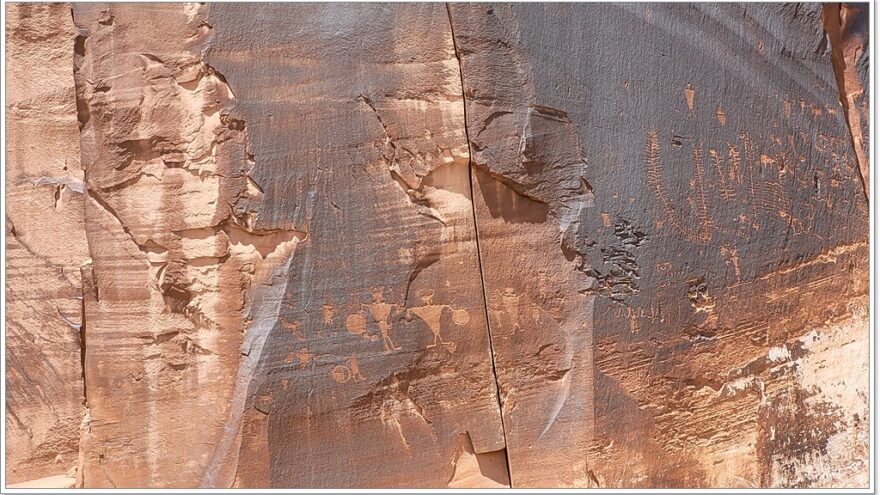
(167,171)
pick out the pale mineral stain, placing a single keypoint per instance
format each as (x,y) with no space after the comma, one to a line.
(778,354)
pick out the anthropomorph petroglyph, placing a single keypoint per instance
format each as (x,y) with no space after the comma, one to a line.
(327,312)
(496,311)
(510,305)
(302,357)
(430,313)
(381,312)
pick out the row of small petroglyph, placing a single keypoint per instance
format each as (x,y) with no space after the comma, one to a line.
(504,308)
(737,181)
(380,313)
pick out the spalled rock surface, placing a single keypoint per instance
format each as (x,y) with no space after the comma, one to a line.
(293,254)
(847,28)
(176,264)
(45,245)
(428,245)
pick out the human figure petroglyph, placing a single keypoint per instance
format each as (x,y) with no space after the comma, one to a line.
(381,312)
(304,357)
(544,283)
(327,312)
(534,312)
(496,311)
(355,369)
(431,313)
(510,303)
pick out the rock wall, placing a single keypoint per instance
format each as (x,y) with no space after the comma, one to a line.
(46,246)
(663,230)
(428,245)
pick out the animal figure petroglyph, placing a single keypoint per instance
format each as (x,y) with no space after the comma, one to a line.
(549,292)
(293,328)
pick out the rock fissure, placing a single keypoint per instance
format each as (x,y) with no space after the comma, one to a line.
(477,242)
(641,282)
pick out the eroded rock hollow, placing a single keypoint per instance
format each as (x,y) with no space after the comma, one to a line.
(437,245)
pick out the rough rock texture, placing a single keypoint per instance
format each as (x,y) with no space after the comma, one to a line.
(288,254)
(45,245)
(847,28)
(672,226)
(428,245)
(176,261)
(358,136)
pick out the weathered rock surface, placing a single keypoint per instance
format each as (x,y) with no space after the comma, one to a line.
(656,233)
(45,245)
(289,254)
(847,28)
(428,245)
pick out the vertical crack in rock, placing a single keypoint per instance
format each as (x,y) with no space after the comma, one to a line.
(479,255)
(45,243)
(345,323)
(86,274)
(843,59)
(534,203)
(82,332)
(88,293)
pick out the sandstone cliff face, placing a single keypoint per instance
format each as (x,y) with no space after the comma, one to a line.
(45,245)
(675,222)
(428,245)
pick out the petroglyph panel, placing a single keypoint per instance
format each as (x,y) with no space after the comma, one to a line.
(722,216)
(437,245)
(218,199)
(360,140)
